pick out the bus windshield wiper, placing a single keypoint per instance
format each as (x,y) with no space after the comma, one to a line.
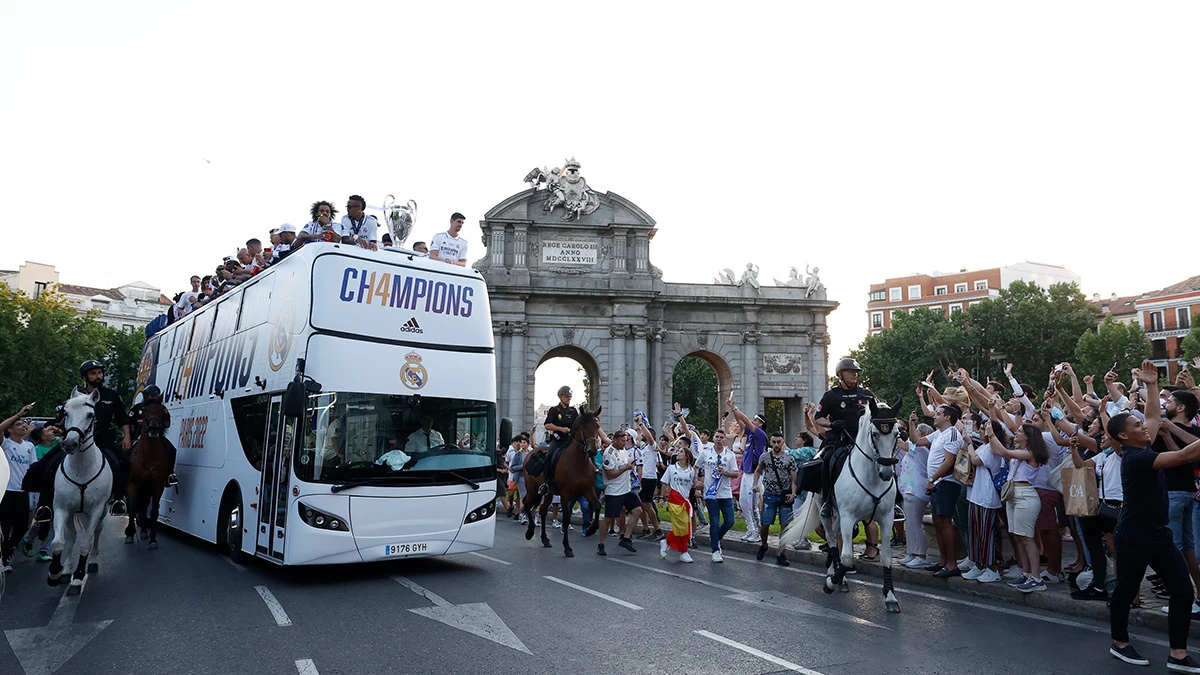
(461,478)
(358,482)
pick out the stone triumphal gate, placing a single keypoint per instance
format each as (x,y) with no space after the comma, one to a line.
(569,274)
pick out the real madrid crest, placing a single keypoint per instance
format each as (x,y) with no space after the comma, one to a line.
(843,404)
(413,373)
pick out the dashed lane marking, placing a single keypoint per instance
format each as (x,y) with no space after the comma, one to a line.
(488,557)
(784,663)
(306,667)
(281,617)
(598,594)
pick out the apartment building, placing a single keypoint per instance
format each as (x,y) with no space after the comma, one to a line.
(129,307)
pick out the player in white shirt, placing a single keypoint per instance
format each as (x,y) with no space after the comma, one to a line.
(618,493)
(322,227)
(448,246)
(357,227)
(720,467)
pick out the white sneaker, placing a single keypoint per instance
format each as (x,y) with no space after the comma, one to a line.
(989,577)
(973,573)
(965,564)
(685,557)
(662,549)
(1014,573)
(7,567)
(755,539)
(916,562)
(1051,578)
(558,524)
(716,556)
(903,560)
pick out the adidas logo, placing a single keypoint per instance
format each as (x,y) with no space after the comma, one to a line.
(411,326)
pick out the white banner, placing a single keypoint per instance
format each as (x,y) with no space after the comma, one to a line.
(570,252)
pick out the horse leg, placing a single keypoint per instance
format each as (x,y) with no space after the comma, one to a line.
(544,513)
(56,547)
(94,558)
(531,503)
(131,493)
(566,527)
(85,536)
(885,543)
(593,520)
(846,526)
(831,556)
(153,516)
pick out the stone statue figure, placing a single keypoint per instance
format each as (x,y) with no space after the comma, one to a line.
(725,277)
(750,276)
(566,188)
(795,280)
(814,285)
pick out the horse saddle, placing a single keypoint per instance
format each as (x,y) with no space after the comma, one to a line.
(535,464)
(809,475)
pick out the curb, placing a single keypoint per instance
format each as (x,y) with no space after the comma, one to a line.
(1052,600)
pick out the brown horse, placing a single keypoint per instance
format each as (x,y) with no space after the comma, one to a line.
(147,474)
(575,475)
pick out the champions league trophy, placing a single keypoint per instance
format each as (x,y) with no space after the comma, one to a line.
(400,218)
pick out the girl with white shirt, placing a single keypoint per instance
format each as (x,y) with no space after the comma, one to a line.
(1029,454)
(913,475)
(983,508)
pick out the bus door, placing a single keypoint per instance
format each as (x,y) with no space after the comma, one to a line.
(276,476)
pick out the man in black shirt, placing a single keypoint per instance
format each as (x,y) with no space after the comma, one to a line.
(1141,536)
(1179,406)
(837,415)
(559,422)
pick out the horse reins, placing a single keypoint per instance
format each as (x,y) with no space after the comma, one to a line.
(881,461)
(62,468)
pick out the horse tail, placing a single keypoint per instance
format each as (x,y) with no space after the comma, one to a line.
(804,523)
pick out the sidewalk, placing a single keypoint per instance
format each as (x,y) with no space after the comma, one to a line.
(1056,598)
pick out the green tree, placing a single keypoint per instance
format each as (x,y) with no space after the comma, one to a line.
(694,386)
(122,359)
(895,360)
(1191,341)
(1097,349)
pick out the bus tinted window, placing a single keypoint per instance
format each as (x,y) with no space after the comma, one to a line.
(255,304)
(250,417)
(349,436)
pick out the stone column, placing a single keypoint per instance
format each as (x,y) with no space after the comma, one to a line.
(641,254)
(496,247)
(657,387)
(500,342)
(519,247)
(749,398)
(517,404)
(818,374)
(620,252)
(640,367)
(618,391)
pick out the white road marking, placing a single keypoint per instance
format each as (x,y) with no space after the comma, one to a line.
(669,573)
(306,667)
(755,652)
(235,565)
(45,649)
(598,594)
(421,590)
(967,603)
(281,617)
(488,557)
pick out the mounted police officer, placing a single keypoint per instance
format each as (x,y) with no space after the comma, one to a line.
(838,415)
(559,422)
(137,415)
(110,412)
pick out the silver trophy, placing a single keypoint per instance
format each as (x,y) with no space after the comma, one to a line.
(400,218)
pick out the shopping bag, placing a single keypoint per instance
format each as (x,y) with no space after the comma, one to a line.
(964,470)
(1079,491)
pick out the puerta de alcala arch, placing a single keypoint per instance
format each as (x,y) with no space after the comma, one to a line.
(578,282)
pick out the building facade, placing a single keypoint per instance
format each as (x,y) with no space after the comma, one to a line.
(129,307)
(1166,316)
(955,291)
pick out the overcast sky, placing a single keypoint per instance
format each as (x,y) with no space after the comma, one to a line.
(148,140)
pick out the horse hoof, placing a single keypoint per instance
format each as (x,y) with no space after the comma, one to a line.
(129,539)
(545,543)
(93,568)
(153,546)
(845,587)
(528,535)
(893,607)
(569,553)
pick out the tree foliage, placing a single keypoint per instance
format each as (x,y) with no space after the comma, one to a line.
(1031,327)
(694,386)
(1191,341)
(1113,341)
(42,342)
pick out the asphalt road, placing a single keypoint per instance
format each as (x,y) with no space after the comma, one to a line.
(520,608)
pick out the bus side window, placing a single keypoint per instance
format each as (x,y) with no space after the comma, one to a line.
(250,416)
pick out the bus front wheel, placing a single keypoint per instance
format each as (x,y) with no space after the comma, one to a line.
(231,523)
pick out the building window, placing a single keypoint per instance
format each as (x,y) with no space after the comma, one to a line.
(1158,349)
(937,309)
(939,290)
(957,307)
(1156,322)
(914,292)
(894,294)
(128,328)
(981,285)
(876,320)
(878,296)
(973,303)
(39,287)
(1184,317)
(960,288)
(892,315)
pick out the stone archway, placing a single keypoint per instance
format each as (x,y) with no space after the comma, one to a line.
(591,374)
(708,413)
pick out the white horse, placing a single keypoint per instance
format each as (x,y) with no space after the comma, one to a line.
(864,491)
(82,487)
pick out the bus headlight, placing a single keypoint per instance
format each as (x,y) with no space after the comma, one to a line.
(320,519)
(482,513)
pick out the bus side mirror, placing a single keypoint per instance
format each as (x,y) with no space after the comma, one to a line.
(505,432)
(294,398)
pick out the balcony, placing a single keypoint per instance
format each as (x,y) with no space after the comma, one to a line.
(1162,334)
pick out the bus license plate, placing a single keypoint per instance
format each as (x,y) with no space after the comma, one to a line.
(411,548)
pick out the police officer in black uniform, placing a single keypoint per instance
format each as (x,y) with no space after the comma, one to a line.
(559,422)
(137,414)
(110,411)
(838,415)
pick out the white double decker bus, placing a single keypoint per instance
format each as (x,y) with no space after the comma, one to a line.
(338,407)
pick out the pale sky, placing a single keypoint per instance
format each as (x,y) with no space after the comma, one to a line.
(869,139)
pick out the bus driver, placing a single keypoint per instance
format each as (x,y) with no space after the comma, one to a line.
(423,440)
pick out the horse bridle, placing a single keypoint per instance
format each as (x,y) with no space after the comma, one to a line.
(151,432)
(62,468)
(881,425)
(90,433)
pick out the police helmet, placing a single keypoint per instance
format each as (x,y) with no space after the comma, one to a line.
(846,364)
(89,365)
(151,392)
(564,391)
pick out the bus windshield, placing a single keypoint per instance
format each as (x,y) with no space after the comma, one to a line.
(411,438)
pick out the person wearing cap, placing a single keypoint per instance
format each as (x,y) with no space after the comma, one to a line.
(559,422)
(753,447)
(837,419)
(137,415)
(287,239)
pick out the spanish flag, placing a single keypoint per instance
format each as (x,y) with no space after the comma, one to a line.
(681,521)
